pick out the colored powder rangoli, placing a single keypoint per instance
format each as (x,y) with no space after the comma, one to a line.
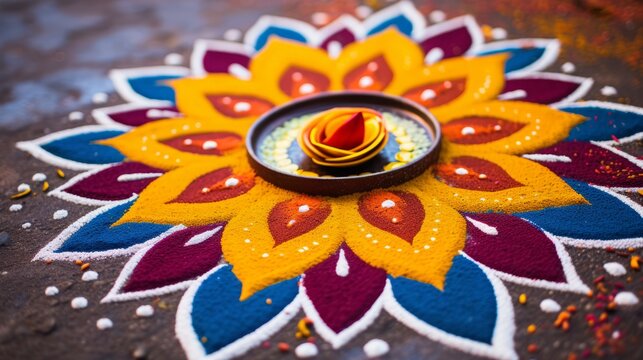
(472,169)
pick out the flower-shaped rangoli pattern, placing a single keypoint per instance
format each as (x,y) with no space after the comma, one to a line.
(523,170)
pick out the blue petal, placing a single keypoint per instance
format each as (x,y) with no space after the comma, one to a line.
(401,22)
(607,218)
(99,235)
(154,87)
(219,315)
(277,31)
(603,122)
(466,307)
(82,148)
(519,58)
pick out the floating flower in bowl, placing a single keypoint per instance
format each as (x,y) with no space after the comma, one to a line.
(342,137)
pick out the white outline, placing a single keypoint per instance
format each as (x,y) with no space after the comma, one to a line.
(551,49)
(120,79)
(584,84)
(192,345)
(345,21)
(203,46)
(623,243)
(337,340)
(60,192)
(502,344)
(102,115)
(47,252)
(266,21)
(115,293)
(34,147)
(405,8)
(467,21)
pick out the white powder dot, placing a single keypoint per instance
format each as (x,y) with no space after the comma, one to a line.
(608,91)
(79,303)
(241,106)
(387,204)
(434,55)
(90,276)
(320,18)
(15,207)
(232,35)
(230,182)
(427,94)
(304,208)
(498,33)
(365,81)
(306,88)
(60,214)
(437,16)
(626,298)
(306,350)
(173,59)
(39,177)
(568,67)
(145,311)
(549,306)
(23,187)
(26,225)
(615,269)
(209,145)
(376,348)
(76,116)
(104,324)
(100,98)
(461,171)
(468,130)
(51,291)
(363,11)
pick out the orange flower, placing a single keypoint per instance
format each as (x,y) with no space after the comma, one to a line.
(342,137)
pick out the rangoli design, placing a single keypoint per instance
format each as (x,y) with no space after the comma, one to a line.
(525,170)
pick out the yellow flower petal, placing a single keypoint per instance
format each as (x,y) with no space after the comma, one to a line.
(180,196)
(294,68)
(262,248)
(497,182)
(224,97)
(158,144)
(453,83)
(409,235)
(380,62)
(505,127)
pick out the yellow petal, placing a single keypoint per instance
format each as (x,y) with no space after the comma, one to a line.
(222,97)
(260,258)
(149,143)
(453,83)
(177,197)
(293,68)
(521,127)
(427,257)
(510,184)
(400,57)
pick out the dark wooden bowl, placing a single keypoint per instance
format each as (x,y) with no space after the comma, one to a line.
(338,186)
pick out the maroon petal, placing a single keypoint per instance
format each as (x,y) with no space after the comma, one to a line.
(472,173)
(217,185)
(343,288)
(113,183)
(134,115)
(218,56)
(183,255)
(545,88)
(452,38)
(512,245)
(590,163)
(343,36)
